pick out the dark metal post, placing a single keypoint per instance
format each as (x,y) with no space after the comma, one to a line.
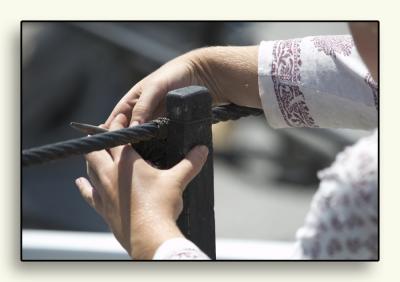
(189,110)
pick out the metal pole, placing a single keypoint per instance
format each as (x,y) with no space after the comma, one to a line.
(189,111)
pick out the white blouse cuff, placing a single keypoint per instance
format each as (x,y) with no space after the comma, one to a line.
(266,87)
(179,249)
(316,82)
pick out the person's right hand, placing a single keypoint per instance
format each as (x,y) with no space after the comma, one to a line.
(139,202)
(229,73)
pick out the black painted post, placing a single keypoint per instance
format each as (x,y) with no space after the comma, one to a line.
(189,110)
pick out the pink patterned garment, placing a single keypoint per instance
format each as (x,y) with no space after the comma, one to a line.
(343,219)
(322,82)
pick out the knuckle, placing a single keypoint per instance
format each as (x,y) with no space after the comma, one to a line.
(105,181)
(140,111)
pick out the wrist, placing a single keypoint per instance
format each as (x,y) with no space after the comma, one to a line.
(230,73)
(204,73)
(149,235)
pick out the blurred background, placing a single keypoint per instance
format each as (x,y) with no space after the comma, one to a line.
(78,71)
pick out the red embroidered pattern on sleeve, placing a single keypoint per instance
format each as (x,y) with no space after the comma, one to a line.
(374,87)
(333,45)
(285,73)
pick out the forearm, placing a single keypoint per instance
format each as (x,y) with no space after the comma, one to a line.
(230,73)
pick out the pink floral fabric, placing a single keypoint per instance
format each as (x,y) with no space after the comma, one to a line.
(374,87)
(286,78)
(343,219)
(333,45)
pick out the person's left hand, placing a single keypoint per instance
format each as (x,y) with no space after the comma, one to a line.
(139,202)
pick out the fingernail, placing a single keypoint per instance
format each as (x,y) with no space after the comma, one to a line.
(119,116)
(134,123)
(77,181)
(104,126)
(203,149)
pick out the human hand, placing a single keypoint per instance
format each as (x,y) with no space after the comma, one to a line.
(229,73)
(139,202)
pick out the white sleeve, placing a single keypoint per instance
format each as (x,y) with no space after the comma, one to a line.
(316,82)
(179,249)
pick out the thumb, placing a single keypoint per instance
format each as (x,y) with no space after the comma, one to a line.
(191,165)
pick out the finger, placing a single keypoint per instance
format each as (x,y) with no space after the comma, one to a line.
(102,125)
(149,100)
(89,193)
(191,165)
(98,160)
(95,179)
(119,122)
(160,110)
(126,104)
(130,156)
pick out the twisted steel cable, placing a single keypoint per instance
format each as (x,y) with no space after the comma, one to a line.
(156,129)
(232,112)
